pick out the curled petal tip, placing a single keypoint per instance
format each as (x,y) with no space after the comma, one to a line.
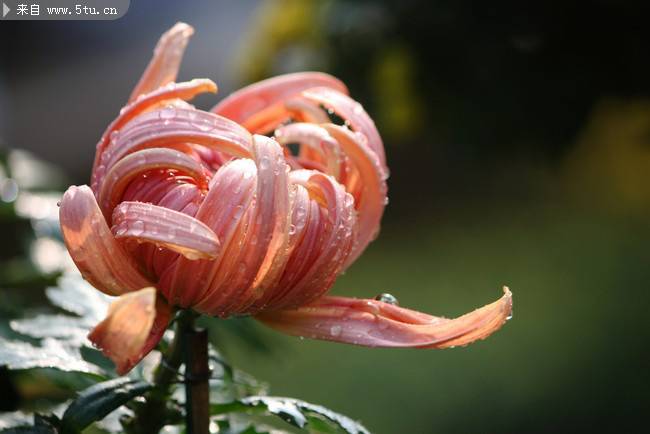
(375,323)
(132,328)
(167,228)
(92,246)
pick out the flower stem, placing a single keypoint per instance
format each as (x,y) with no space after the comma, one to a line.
(150,416)
(197,375)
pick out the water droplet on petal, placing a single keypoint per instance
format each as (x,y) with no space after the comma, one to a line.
(137,228)
(387,298)
(335,330)
(167,113)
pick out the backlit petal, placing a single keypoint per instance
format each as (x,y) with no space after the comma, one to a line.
(372,197)
(146,102)
(133,165)
(248,101)
(166,61)
(133,327)
(164,227)
(171,125)
(99,257)
(223,210)
(354,114)
(374,323)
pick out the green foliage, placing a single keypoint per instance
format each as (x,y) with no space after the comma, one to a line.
(98,401)
(51,353)
(298,413)
(57,341)
(62,337)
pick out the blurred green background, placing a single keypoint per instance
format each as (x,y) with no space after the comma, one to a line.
(518,137)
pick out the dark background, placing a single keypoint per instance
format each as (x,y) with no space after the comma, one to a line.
(518,137)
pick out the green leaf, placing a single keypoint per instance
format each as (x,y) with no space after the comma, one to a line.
(14,419)
(298,413)
(51,353)
(36,429)
(72,329)
(98,401)
(64,343)
(42,425)
(75,295)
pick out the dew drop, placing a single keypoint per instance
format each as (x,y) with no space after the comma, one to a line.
(192,256)
(335,330)
(137,228)
(387,298)
(167,113)
(120,231)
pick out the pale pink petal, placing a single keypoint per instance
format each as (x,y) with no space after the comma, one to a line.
(270,226)
(316,138)
(260,106)
(99,257)
(229,198)
(146,102)
(372,200)
(319,258)
(164,227)
(134,325)
(171,126)
(304,111)
(374,323)
(354,114)
(133,165)
(166,61)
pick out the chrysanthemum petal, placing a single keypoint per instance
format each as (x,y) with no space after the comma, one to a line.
(372,198)
(133,165)
(374,323)
(184,91)
(223,210)
(265,252)
(166,61)
(319,257)
(97,254)
(315,137)
(250,100)
(171,125)
(164,227)
(354,114)
(134,325)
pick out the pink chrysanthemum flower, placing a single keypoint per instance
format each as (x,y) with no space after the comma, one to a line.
(204,210)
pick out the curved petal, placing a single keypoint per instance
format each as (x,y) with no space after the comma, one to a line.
(354,114)
(133,165)
(319,257)
(232,190)
(134,325)
(184,91)
(174,230)
(266,250)
(372,199)
(316,138)
(166,61)
(248,101)
(373,323)
(99,257)
(170,126)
